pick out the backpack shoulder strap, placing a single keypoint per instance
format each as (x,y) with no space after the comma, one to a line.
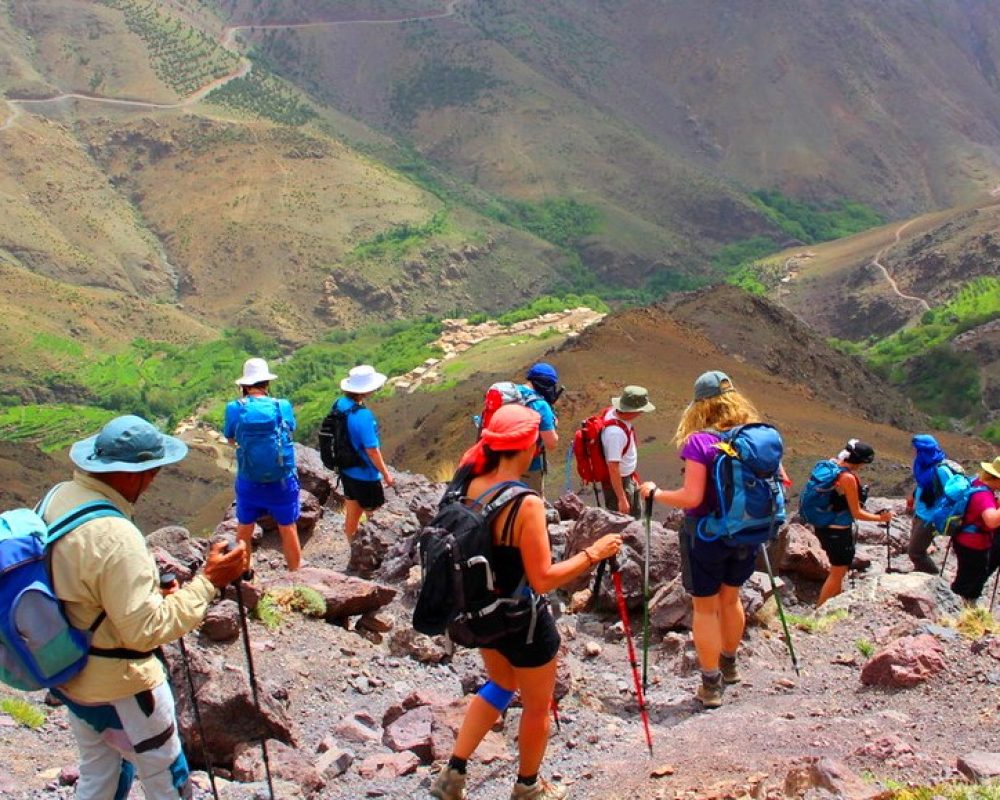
(74,518)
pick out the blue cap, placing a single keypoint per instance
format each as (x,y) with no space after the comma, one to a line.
(127,444)
(543,371)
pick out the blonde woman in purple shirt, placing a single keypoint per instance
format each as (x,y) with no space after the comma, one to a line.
(712,572)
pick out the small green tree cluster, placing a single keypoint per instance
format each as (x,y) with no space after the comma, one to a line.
(264,95)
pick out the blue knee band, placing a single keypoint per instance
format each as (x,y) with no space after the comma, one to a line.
(496,696)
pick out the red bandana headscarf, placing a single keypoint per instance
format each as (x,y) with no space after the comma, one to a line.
(511,428)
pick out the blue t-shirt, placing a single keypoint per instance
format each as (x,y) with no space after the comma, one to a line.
(362,428)
(544,410)
(232,419)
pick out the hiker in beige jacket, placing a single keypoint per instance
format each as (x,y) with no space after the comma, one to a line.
(121,708)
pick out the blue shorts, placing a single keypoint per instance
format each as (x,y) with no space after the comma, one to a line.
(705,566)
(279,499)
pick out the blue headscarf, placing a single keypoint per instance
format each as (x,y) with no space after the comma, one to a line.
(928,455)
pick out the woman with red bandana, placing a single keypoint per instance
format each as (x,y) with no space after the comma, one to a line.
(512,665)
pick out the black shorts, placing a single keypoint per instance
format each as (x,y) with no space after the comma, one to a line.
(705,566)
(543,648)
(838,543)
(367,494)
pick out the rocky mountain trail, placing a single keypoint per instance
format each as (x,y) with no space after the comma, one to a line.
(356,704)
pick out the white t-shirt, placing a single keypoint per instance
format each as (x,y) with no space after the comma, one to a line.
(619,445)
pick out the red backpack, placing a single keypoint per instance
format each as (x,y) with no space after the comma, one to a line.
(588,452)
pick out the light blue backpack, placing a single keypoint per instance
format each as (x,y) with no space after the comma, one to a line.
(39,648)
(265,453)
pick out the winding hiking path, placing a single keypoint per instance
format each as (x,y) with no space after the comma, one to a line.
(895,288)
(228,41)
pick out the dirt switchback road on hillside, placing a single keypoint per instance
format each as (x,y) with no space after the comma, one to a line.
(895,288)
(17,107)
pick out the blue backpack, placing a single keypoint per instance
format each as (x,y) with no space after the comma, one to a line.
(818,501)
(949,509)
(39,648)
(747,478)
(265,453)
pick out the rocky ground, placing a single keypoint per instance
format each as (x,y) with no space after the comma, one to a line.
(356,705)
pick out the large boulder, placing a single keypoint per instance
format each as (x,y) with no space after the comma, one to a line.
(229,716)
(344,595)
(671,607)
(797,551)
(906,662)
(182,548)
(921,595)
(664,561)
(313,476)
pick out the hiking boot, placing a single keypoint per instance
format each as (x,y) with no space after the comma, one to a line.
(710,692)
(730,672)
(539,790)
(449,785)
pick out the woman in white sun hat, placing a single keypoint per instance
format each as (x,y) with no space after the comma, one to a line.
(266,479)
(362,482)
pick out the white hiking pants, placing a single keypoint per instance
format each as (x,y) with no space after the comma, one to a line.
(134,736)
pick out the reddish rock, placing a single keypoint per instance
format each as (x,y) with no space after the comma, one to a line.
(359,727)
(388,766)
(797,551)
(918,605)
(313,476)
(411,731)
(345,595)
(569,506)
(671,607)
(286,763)
(906,662)
(187,551)
(979,766)
(828,774)
(425,649)
(222,622)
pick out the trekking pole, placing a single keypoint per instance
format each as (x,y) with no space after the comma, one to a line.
(645,590)
(616,579)
(781,611)
(167,581)
(252,674)
(947,550)
(554,705)
(888,545)
(993,599)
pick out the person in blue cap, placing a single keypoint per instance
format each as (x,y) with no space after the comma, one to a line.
(931,470)
(541,393)
(121,709)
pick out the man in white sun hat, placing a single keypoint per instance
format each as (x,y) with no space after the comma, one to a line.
(266,479)
(121,710)
(362,482)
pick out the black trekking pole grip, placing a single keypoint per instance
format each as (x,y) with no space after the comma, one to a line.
(650,500)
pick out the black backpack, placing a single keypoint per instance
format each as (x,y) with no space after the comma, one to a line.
(335,448)
(457,592)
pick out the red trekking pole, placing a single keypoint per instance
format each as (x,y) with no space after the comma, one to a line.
(616,579)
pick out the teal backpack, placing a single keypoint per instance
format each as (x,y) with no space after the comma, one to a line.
(949,510)
(265,453)
(39,648)
(819,503)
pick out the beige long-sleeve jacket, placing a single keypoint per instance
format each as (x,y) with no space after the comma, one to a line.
(104,564)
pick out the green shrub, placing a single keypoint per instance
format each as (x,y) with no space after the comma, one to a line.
(865,647)
(268,611)
(437,84)
(23,712)
(816,623)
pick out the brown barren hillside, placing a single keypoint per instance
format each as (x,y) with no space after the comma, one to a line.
(813,403)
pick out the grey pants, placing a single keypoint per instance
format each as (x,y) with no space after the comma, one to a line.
(631,493)
(921,538)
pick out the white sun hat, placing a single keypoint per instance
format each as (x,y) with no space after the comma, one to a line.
(362,380)
(255,371)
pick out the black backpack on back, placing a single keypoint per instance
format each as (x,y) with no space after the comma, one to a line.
(458,592)
(335,448)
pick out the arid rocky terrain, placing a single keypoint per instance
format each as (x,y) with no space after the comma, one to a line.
(888,690)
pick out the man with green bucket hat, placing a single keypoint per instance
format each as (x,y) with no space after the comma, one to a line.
(121,710)
(621,492)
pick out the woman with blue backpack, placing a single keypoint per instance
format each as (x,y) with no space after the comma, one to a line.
(931,471)
(832,500)
(712,568)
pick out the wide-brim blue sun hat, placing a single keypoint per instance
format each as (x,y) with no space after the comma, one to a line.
(127,444)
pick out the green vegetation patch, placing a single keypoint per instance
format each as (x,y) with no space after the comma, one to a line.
(399,240)
(264,95)
(560,220)
(438,84)
(952,790)
(549,304)
(816,222)
(183,57)
(24,713)
(817,623)
(51,427)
